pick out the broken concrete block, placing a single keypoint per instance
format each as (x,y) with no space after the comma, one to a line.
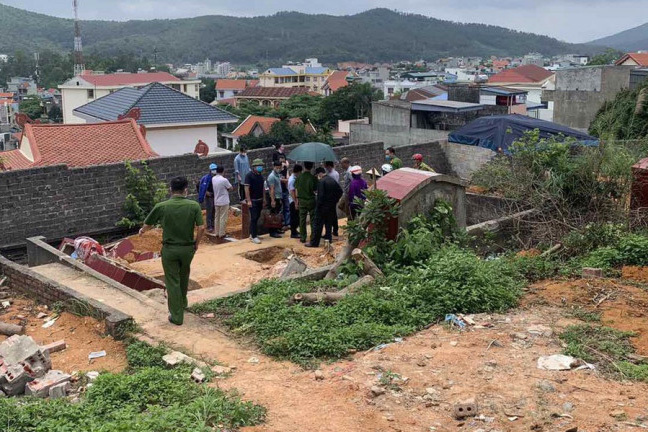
(198,376)
(465,409)
(18,348)
(54,347)
(556,362)
(377,391)
(92,375)
(14,379)
(221,370)
(589,272)
(294,266)
(59,391)
(176,357)
(40,387)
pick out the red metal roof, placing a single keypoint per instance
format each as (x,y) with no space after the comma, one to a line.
(273,92)
(640,58)
(80,145)
(118,79)
(521,74)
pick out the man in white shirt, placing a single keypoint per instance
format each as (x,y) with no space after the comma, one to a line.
(292,197)
(222,187)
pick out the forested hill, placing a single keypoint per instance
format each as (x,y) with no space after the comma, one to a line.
(375,35)
(634,39)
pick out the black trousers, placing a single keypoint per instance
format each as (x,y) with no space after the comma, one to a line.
(255,214)
(325,217)
(241,192)
(294,219)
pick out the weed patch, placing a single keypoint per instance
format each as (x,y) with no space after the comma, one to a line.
(606,347)
(151,399)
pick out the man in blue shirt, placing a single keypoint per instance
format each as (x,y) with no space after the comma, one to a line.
(206,195)
(241,169)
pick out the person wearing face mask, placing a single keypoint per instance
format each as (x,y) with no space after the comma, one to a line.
(329,193)
(206,196)
(241,169)
(276,201)
(254,188)
(390,156)
(178,217)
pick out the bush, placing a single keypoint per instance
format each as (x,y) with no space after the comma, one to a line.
(451,280)
(536,268)
(144,191)
(630,249)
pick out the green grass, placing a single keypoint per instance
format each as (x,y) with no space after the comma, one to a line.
(606,347)
(451,280)
(150,399)
(585,315)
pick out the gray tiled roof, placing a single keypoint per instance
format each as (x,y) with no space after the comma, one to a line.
(158,104)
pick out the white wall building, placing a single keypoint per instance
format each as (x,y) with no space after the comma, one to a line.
(88,87)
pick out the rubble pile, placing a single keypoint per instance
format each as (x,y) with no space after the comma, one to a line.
(25,368)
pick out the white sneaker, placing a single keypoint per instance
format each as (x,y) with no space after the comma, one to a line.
(256,240)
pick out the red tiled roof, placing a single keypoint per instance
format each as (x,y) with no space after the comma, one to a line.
(265,123)
(273,92)
(337,80)
(521,74)
(640,58)
(80,145)
(118,79)
(6,95)
(231,84)
(500,64)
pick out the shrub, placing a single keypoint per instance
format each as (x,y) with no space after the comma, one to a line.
(450,280)
(535,268)
(140,354)
(144,191)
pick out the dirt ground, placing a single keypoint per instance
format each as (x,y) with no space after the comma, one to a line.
(83,335)
(493,362)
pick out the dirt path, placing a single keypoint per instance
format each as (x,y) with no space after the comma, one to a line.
(434,369)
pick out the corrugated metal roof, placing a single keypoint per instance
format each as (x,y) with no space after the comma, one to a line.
(444,106)
(316,70)
(158,103)
(282,71)
(505,91)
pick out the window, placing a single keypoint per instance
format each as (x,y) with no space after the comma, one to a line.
(276,80)
(184,88)
(221,93)
(307,79)
(91,94)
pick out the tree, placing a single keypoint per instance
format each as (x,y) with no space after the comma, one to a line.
(208,90)
(55,114)
(32,107)
(306,107)
(608,57)
(350,102)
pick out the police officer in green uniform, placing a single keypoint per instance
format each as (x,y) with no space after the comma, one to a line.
(306,186)
(177,216)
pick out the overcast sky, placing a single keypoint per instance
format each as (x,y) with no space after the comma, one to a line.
(570,20)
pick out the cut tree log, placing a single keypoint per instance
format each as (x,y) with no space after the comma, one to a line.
(10,329)
(341,258)
(368,266)
(331,297)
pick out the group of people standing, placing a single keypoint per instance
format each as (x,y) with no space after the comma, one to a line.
(306,193)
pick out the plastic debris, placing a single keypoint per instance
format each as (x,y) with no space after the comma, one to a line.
(49,323)
(556,362)
(454,319)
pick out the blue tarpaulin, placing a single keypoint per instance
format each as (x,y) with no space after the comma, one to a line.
(500,131)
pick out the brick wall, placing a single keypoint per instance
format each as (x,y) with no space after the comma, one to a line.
(24,281)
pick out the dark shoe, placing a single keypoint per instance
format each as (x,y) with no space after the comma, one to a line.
(302,241)
(295,236)
(276,235)
(171,321)
(310,245)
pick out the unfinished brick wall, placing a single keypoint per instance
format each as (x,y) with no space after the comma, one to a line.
(24,281)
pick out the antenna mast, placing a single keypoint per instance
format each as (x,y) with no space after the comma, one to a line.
(79,67)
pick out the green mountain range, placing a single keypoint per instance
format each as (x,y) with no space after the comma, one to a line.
(375,35)
(633,39)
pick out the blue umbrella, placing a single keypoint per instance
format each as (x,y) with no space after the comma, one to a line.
(313,152)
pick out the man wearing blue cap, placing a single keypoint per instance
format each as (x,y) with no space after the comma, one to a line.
(206,195)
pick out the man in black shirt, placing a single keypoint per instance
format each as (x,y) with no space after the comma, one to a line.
(254,182)
(329,193)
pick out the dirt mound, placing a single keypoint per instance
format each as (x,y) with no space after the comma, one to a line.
(639,274)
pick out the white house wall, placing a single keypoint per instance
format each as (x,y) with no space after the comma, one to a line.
(177,141)
(74,98)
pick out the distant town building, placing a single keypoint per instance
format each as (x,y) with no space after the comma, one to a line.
(338,80)
(296,75)
(533,80)
(257,126)
(533,59)
(22,87)
(89,86)
(229,88)
(4,58)
(392,87)
(269,96)
(376,76)
(174,122)
(223,69)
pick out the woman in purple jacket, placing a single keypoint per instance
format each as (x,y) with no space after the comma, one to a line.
(356,190)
